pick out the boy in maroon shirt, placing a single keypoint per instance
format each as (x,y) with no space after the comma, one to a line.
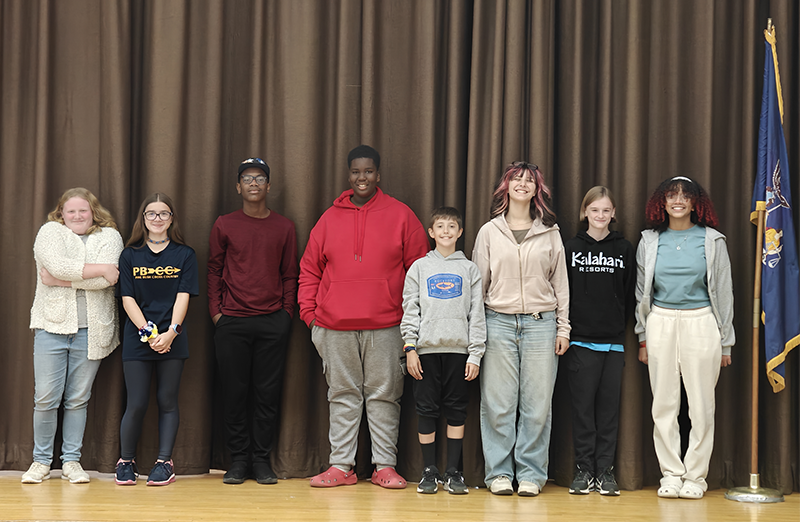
(252,286)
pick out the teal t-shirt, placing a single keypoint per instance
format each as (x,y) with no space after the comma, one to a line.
(680,275)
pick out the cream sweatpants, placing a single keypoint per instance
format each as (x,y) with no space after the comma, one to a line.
(683,344)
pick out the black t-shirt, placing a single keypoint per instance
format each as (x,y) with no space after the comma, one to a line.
(154,281)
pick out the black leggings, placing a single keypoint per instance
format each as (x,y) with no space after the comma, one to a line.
(138,375)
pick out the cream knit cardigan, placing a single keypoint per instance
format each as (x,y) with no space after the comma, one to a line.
(55,308)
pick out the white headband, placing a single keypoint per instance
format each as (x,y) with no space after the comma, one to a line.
(683,178)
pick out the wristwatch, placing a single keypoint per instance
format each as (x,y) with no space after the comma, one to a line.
(178,329)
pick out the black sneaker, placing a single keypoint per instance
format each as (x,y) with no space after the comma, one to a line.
(454,483)
(237,473)
(127,473)
(606,483)
(163,473)
(583,482)
(430,480)
(262,472)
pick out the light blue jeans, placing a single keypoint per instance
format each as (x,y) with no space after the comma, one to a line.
(62,369)
(518,373)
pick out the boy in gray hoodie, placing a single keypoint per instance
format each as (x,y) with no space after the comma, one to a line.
(444,330)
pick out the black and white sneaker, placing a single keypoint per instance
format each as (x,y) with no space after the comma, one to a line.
(583,482)
(606,483)
(430,480)
(454,483)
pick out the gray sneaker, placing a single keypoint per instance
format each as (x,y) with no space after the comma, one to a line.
(36,473)
(73,471)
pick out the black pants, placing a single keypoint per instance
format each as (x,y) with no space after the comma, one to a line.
(442,389)
(594,382)
(138,375)
(251,352)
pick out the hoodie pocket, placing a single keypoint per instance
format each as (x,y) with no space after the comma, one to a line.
(351,304)
(450,332)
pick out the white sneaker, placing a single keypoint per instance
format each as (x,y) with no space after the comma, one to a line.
(528,489)
(501,486)
(36,473)
(73,471)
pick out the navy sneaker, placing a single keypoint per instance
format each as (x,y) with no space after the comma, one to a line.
(163,473)
(127,473)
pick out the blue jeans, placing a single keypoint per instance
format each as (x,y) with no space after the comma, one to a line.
(61,369)
(518,373)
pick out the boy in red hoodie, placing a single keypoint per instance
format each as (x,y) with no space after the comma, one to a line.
(351,295)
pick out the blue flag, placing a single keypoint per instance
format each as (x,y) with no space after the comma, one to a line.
(780,277)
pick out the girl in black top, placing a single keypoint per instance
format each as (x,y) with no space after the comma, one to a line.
(158,274)
(602,274)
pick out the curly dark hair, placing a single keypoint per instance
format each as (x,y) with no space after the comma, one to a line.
(702,214)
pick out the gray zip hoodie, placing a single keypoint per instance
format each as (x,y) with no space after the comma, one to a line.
(443,306)
(718,273)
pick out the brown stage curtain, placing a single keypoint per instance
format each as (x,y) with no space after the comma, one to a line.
(130,97)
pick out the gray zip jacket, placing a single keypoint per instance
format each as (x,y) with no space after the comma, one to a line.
(443,306)
(718,273)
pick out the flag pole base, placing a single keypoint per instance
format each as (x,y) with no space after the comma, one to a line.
(754,493)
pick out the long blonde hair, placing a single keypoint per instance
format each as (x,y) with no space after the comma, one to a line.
(100,216)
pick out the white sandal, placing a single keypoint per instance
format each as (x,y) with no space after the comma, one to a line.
(691,491)
(669,491)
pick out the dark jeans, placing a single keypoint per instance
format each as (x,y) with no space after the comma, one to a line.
(251,352)
(442,387)
(594,382)
(138,375)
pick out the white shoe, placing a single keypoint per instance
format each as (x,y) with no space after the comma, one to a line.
(501,486)
(36,473)
(528,489)
(73,471)
(669,491)
(690,490)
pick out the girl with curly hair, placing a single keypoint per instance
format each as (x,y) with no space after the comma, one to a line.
(684,320)
(526,293)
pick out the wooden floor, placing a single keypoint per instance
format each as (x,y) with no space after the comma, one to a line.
(205,497)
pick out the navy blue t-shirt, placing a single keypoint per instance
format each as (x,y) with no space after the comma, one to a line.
(154,281)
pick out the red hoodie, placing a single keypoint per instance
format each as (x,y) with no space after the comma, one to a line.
(355,264)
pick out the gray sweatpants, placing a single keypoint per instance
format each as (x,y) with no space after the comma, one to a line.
(362,366)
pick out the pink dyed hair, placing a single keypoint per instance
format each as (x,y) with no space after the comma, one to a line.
(541,205)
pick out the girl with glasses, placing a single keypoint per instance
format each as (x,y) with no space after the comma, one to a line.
(158,274)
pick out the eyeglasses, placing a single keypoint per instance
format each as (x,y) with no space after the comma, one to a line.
(247,179)
(151,216)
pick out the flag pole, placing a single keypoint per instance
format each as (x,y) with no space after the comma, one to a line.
(755,493)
